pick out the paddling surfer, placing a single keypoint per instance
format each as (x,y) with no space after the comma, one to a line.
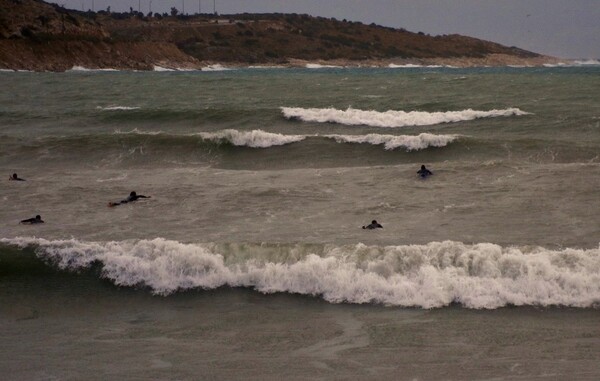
(424,172)
(373,225)
(14,177)
(30,221)
(131,198)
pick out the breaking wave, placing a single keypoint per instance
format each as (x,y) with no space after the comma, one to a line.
(391,118)
(254,138)
(263,139)
(391,142)
(427,276)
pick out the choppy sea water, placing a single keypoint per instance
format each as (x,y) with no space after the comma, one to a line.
(260,181)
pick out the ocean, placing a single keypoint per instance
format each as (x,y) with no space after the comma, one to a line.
(249,260)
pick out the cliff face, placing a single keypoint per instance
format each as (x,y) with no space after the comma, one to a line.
(35,35)
(38,36)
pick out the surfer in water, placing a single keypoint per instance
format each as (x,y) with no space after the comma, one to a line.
(424,172)
(14,177)
(373,225)
(132,197)
(30,221)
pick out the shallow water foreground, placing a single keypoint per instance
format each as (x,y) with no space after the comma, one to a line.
(98,332)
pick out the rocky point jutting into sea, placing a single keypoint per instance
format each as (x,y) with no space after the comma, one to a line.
(39,36)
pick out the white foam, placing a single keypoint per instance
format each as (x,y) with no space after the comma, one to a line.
(254,138)
(579,63)
(428,276)
(215,68)
(162,69)
(263,139)
(81,68)
(319,66)
(391,118)
(589,62)
(390,142)
(117,108)
(266,67)
(559,64)
(415,66)
(406,66)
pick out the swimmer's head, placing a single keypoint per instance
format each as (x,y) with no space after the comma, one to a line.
(374,222)
(422,167)
(132,194)
(38,217)
(14,176)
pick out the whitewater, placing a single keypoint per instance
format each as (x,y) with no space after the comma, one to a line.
(264,139)
(426,276)
(391,118)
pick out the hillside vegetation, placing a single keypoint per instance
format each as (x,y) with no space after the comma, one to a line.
(36,35)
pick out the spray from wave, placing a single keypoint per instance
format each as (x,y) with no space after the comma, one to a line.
(427,276)
(391,118)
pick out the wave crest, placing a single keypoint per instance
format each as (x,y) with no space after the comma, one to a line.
(391,142)
(390,118)
(254,138)
(263,139)
(427,276)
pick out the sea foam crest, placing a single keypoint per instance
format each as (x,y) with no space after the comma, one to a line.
(390,118)
(321,66)
(117,108)
(161,68)
(589,62)
(85,69)
(428,276)
(414,66)
(215,67)
(391,142)
(254,138)
(262,139)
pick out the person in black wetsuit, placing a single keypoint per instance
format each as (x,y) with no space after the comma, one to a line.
(132,197)
(30,221)
(373,225)
(424,172)
(14,177)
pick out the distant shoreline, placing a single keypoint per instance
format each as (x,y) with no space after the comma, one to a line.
(458,62)
(37,36)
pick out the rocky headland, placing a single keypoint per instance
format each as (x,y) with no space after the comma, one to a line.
(40,36)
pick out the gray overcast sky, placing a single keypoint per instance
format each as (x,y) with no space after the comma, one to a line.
(561,28)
